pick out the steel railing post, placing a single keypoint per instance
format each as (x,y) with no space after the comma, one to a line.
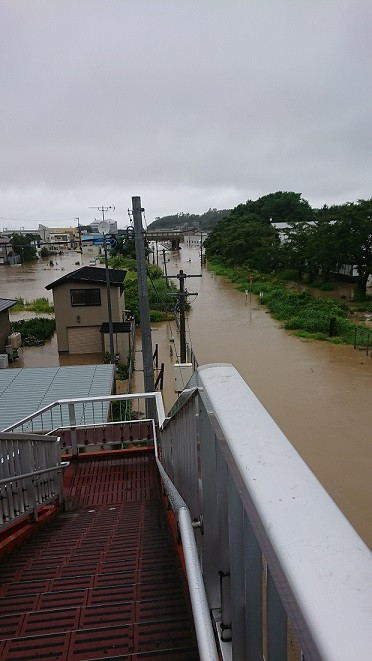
(72,420)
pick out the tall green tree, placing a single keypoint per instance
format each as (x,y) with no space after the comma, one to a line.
(354,226)
(22,246)
(245,240)
(281,206)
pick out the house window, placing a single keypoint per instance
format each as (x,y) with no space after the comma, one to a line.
(85,297)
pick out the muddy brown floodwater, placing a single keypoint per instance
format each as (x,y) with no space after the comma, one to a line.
(318,393)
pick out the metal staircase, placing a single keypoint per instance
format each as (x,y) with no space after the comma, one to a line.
(103,580)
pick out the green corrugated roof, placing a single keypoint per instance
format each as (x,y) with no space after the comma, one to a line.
(25,391)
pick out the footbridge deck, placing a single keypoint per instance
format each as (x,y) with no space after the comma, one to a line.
(140,522)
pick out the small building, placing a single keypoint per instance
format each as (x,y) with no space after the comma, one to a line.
(92,245)
(81,312)
(7,254)
(5,330)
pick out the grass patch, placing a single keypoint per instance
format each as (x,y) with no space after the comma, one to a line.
(36,305)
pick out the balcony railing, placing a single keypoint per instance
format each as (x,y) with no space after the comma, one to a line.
(277,554)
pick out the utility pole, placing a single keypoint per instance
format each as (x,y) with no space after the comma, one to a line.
(165,267)
(79,233)
(103,228)
(143,296)
(182,306)
(201,250)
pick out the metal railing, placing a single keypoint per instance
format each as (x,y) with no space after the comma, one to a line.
(199,603)
(276,551)
(363,338)
(98,421)
(30,475)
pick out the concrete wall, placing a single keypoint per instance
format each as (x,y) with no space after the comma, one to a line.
(94,315)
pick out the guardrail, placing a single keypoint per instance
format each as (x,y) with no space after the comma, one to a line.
(277,553)
(30,475)
(94,420)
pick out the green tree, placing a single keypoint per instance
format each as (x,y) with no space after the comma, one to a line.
(245,240)
(125,247)
(354,226)
(22,246)
(286,207)
(295,249)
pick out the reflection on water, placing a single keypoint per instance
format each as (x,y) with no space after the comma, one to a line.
(318,393)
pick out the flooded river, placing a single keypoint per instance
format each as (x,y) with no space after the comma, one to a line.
(318,393)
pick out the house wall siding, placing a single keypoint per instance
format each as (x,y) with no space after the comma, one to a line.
(66,314)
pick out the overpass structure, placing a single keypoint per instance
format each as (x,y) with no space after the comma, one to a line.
(197,536)
(174,237)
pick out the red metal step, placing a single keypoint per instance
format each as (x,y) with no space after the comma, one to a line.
(103,580)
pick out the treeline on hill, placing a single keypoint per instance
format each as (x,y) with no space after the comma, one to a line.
(314,243)
(185,221)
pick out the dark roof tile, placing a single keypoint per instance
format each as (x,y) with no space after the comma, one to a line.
(90,274)
(6,303)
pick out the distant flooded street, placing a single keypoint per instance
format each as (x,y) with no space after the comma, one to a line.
(318,393)
(28,281)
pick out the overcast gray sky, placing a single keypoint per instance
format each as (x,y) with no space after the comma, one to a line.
(190,104)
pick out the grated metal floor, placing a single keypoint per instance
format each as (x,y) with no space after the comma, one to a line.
(102,581)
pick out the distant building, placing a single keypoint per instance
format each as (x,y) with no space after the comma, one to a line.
(7,254)
(56,239)
(80,306)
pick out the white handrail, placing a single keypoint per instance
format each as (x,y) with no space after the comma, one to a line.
(229,459)
(199,603)
(91,400)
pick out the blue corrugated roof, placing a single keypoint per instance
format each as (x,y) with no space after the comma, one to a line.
(24,391)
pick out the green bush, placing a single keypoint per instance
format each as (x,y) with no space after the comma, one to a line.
(159,299)
(309,317)
(34,331)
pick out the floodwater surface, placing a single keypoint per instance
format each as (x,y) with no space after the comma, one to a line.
(317,392)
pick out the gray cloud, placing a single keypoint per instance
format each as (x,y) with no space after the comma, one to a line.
(189,104)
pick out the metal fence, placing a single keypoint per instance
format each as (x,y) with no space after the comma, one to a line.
(363,339)
(276,552)
(30,475)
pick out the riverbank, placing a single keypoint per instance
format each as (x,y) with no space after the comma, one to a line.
(331,319)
